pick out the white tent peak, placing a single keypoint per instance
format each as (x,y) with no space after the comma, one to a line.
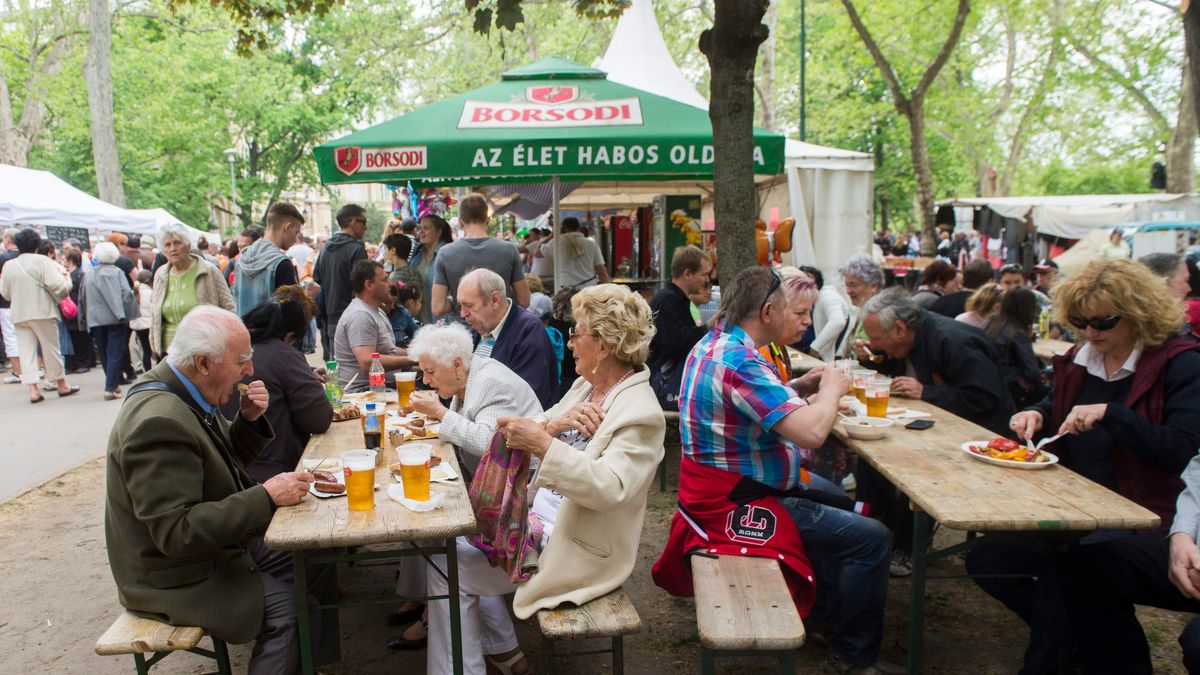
(637,57)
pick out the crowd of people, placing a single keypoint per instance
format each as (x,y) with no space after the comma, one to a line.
(579,387)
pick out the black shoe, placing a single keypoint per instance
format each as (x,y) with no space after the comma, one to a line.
(403,617)
(403,644)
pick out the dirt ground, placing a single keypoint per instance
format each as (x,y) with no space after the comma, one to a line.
(60,597)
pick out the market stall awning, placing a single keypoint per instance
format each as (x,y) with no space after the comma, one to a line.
(32,197)
(554,118)
(1074,216)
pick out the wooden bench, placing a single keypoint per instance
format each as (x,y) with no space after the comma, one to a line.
(608,616)
(132,634)
(673,431)
(743,608)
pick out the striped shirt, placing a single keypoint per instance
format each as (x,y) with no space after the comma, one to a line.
(728,403)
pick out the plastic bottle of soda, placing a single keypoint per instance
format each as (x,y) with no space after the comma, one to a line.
(372,431)
(375,375)
(333,384)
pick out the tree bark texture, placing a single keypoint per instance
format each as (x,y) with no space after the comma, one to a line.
(731,46)
(911,104)
(45,58)
(97,75)
(1181,173)
(1191,36)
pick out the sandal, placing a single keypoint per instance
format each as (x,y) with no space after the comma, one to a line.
(70,392)
(39,399)
(506,667)
(401,643)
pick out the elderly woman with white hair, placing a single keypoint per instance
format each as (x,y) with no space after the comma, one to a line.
(185,282)
(481,390)
(863,278)
(106,305)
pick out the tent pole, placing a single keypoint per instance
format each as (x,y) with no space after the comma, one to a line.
(554,191)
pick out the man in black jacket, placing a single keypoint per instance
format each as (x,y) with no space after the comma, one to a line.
(332,270)
(676,331)
(974,274)
(945,362)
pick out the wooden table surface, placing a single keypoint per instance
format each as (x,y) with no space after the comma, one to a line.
(801,362)
(1047,349)
(963,493)
(325,523)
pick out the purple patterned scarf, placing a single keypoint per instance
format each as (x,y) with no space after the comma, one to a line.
(508,533)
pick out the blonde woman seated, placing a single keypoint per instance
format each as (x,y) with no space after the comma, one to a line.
(480,391)
(983,303)
(599,448)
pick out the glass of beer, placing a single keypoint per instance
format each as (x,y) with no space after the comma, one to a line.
(406,383)
(877,393)
(858,383)
(414,470)
(358,466)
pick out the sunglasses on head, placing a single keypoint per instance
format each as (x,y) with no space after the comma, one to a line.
(1096,322)
(776,282)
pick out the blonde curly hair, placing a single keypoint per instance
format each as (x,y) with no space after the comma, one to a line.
(620,318)
(1125,288)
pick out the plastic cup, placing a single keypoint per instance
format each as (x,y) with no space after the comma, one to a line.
(406,383)
(846,366)
(877,393)
(414,470)
(858,383)
(358,466)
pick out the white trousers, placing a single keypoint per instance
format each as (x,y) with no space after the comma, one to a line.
(29,335)
(486,625)
(9,333)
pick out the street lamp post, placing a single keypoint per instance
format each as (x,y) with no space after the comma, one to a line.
(231,156)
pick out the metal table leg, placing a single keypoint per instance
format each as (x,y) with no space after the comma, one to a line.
(456,645)
(300,590)
(916,618)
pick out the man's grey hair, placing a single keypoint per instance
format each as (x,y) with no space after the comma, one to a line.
(443,344)
(864,267)
(1165,265)
(893,304)
(206,330)
(173,231)
(488,281)
(11,232)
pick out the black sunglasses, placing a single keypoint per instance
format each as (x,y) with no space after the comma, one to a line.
(776,282)
(1097,322)
(1012,268)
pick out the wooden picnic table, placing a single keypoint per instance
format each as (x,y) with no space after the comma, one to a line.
(325,532)
(801,362)
(1046,349)
(944,485)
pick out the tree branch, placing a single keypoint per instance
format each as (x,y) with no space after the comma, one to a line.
(960,20)
(1036,101)
(1130,87)
(899,99)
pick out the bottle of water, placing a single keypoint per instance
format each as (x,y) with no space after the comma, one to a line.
(375,375)
(333,384)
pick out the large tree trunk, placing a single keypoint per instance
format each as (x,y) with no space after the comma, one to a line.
(1181,174)
(1191,35)
(921,166)
(766,74)
(731,46)
(98,76)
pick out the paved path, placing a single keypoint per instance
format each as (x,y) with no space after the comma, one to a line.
(40,442)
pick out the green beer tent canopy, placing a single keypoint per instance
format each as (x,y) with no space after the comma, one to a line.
(554,118)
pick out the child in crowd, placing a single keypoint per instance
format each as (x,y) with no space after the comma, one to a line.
(405,303)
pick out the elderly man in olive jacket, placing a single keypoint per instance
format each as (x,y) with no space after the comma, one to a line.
(184,519)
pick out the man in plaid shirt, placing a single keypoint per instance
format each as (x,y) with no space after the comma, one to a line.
(737,416)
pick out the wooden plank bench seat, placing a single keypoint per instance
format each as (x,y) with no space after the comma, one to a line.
(743,607)
(132,634)
(608,616)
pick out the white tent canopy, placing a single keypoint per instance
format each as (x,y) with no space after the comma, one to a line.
(1074,216)
(827,190)
(30,197)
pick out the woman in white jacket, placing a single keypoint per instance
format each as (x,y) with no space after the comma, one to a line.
(831,318)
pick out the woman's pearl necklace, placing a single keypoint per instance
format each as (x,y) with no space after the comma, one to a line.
(603,399)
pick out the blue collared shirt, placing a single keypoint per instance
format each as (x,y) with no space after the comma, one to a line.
(207,407)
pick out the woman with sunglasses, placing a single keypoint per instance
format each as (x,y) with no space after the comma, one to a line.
(1126,399)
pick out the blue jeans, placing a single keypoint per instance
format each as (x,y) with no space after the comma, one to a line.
(850,555)
(111,341)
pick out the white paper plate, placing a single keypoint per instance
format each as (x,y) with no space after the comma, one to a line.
(341,478)
(1027,466)
(396,492)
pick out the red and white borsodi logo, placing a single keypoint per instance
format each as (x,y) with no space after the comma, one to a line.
(347,159)
(552,94)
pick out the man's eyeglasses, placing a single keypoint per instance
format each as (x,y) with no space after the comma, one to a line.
(1098,322)
(776,282)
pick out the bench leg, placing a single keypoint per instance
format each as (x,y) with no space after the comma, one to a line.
(618,655)
(139,663)
(221,655)
(788,661)
(547,655)
(706,661)
(662,474)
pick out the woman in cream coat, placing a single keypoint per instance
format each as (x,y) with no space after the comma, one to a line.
(598,451)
